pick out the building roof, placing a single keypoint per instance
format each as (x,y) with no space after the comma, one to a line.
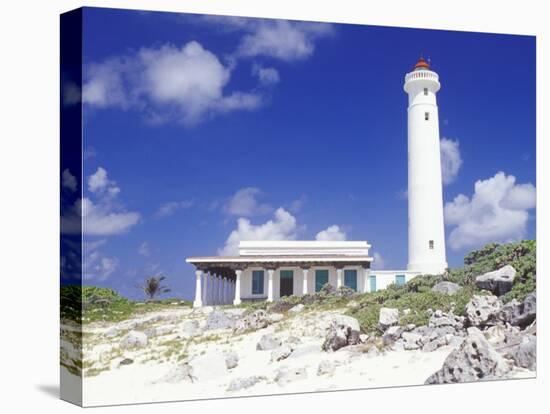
(421,64)
(278,258)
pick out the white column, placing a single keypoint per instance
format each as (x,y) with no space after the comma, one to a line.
(198,294)
(305,273)
(217,292)
(205,290)
(237,300)
(339,278)
(270,285)
(224,289)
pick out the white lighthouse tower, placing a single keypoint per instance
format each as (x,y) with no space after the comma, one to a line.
(425,193)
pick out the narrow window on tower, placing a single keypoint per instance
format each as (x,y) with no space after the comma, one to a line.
(431,243)
(426,116)
(426,91)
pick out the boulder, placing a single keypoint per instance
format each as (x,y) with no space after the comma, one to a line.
(448,288)
(297,309)
(219,320)
(482,310)
(392,334)
(111,332)
(518,313)
(286,375)
(388,317)
(525,355)
(440,320)
(126,361)
(251,322)
(244,383)
(474,360)
(231,359)
(134,339)
(343,330)
(190,329)
(275,317)
(280,353)
(268,342)
(499,282)
(326,367)
(411,340)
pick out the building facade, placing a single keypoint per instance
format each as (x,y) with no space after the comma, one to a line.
(269,270)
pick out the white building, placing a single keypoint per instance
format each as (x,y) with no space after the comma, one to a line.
(268,270)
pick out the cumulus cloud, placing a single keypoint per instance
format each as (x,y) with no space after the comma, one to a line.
(378,261)
(281,39)
(266,76)
(451,161)
(96,264)
(498,211)
(331,233)
(283,226)
(68,180)
(245,203)
(101,216)
(171,207)
(183,83)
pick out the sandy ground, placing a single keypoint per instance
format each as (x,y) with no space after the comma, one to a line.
(145,381)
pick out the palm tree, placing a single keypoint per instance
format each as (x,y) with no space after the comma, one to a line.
(153,287)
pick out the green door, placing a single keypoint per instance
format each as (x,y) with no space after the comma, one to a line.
(372,280)
(350,278)
(287,283)
(321,279)
(399,280)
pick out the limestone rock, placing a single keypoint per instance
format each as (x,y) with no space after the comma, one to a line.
(448,288)
(219,320)
(388,317)
(326,367)
(482,309)
(526,354)
(297,309)
(280,353)
(286,375)
(411,341)
(268,342)
(475,360)
(343,330)
(275,317)
(243,383)
(519,313)
(179,373)
(134,339)
(254,321)
(190,329)
(392,334)
(499,282)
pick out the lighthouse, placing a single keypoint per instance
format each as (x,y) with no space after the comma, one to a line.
(425,193)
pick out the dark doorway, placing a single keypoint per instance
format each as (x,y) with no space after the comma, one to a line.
(287,283)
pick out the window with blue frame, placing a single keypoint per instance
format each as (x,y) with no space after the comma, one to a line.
(372,281)
(350,278)
(321,279)
(399,280)
(257,282)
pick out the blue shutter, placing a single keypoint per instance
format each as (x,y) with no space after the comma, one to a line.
(350,278)
(257,282)
(321,279)
(372,280)
(399,280)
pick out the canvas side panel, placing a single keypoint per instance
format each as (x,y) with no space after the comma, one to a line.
(70,199)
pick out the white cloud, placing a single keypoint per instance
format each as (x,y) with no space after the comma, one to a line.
(497,212)
(143,249)
(104,215)
(451,160)
(281,39)
(96,265)
(68,180)
(331,233)
(281,227)
(244,203)
(266,76)
(167,83)
(298,204)
(378,261)
(168,209)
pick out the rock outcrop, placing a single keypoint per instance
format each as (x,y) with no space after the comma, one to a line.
(256,320)
(342,331)
(134,339)
(475,360)
(518,313)
(448,288)
(268,342)
(482,309)
(388,317)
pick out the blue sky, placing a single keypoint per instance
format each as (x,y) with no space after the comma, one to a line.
(199,131)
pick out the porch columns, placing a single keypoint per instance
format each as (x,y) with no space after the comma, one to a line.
(198,294)
(339,277)
(305,273)
(237,300)
(366,274)
(270,285)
